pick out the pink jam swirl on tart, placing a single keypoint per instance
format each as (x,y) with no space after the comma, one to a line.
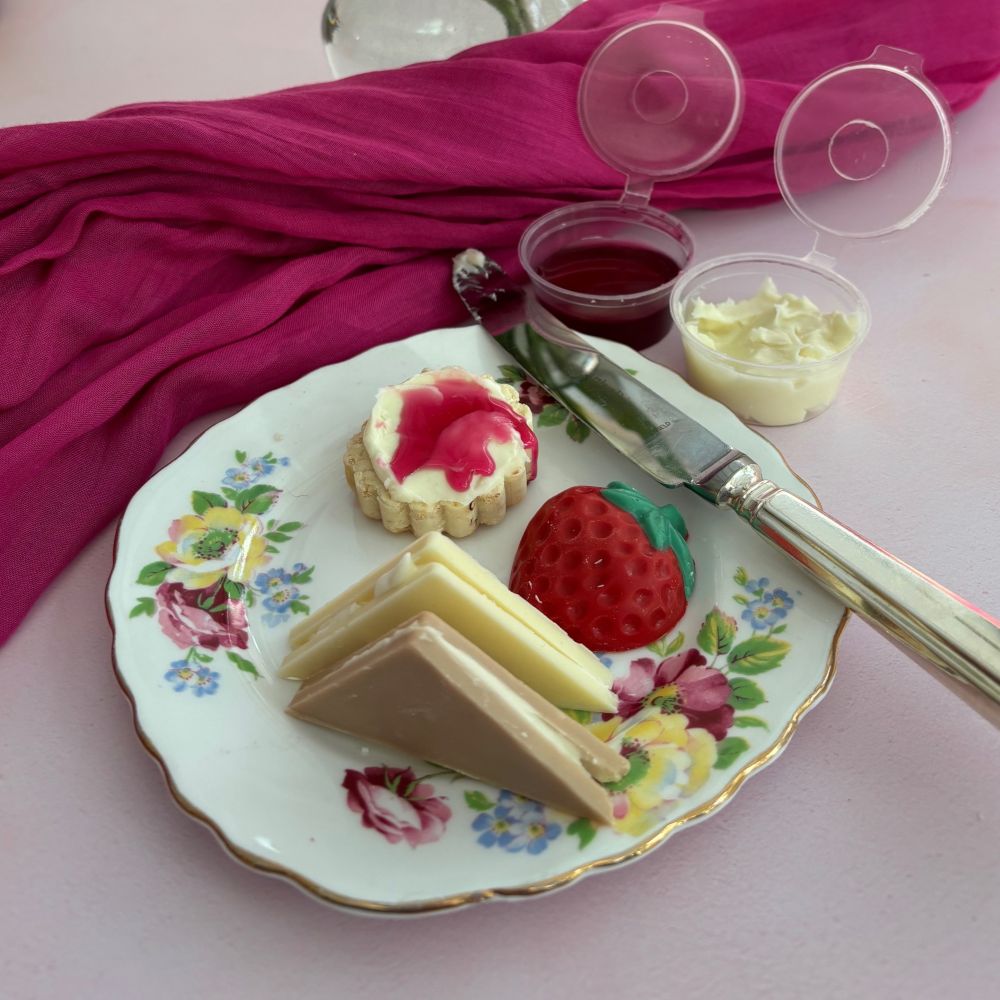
(449,425)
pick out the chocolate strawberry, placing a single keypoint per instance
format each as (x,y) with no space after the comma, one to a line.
(608,565)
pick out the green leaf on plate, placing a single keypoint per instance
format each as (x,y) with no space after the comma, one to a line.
(741,576)
(511,373)
(552,414)
(663,648)
(271,549)
(778,630)
(246,497)
(260,506)
(740,599)
(744,694)
(277,536)
(577,430)
(584,829)
(728,750)
(201,657)
(299,608)
(757,654)
(632,371)
(144,606)
(233,589)
(241,457)
(717,632)
(290,526)
(749,722)
(201,501)
(242,664)
(303,576)
(153,574)
(229,493)
(476,800)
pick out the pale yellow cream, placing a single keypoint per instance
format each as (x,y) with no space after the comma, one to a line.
(773,359)
(772,328)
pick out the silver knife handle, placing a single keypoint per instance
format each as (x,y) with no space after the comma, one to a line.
(956,642)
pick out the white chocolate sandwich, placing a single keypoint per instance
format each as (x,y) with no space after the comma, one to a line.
(434,574)
(426,690)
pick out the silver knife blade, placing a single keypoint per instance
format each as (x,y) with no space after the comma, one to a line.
(647,429)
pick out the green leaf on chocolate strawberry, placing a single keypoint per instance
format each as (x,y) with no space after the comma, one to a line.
(664,526)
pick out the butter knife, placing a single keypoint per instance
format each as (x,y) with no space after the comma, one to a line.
(958,643)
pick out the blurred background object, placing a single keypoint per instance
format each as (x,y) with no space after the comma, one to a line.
(364,35)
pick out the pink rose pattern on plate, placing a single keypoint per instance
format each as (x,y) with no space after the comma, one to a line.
(397,804)
(215,563)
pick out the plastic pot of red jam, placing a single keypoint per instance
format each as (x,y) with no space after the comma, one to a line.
(608,269)
(659,99)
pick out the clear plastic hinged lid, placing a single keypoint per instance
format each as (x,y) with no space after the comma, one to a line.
(864,149)
(660,99)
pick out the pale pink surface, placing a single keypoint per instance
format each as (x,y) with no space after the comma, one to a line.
(863,863)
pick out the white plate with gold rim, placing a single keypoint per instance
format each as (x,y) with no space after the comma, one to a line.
(253,527)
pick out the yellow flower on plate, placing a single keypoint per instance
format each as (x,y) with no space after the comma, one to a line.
(221,541)
(667,761)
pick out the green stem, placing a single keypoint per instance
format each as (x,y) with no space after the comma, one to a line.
(424,777)
(514,16)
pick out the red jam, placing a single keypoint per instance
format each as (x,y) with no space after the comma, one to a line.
(449,426)
(610,269)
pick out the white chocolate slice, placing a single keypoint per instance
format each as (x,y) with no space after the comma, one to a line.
(434,574)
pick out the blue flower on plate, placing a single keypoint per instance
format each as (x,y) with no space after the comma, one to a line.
(199,678)
(762,615)
(252,470)
(264,466)
(533,837)
(239,477)
(781,601)
(756,586)
(515,824)
(606,660)
(279,593)
(180,674)
(205,682)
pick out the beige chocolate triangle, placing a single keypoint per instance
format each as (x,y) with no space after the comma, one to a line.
(428,691)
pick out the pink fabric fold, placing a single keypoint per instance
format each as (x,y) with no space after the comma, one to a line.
(161,261)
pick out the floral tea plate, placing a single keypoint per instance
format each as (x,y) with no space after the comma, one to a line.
(254,527)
